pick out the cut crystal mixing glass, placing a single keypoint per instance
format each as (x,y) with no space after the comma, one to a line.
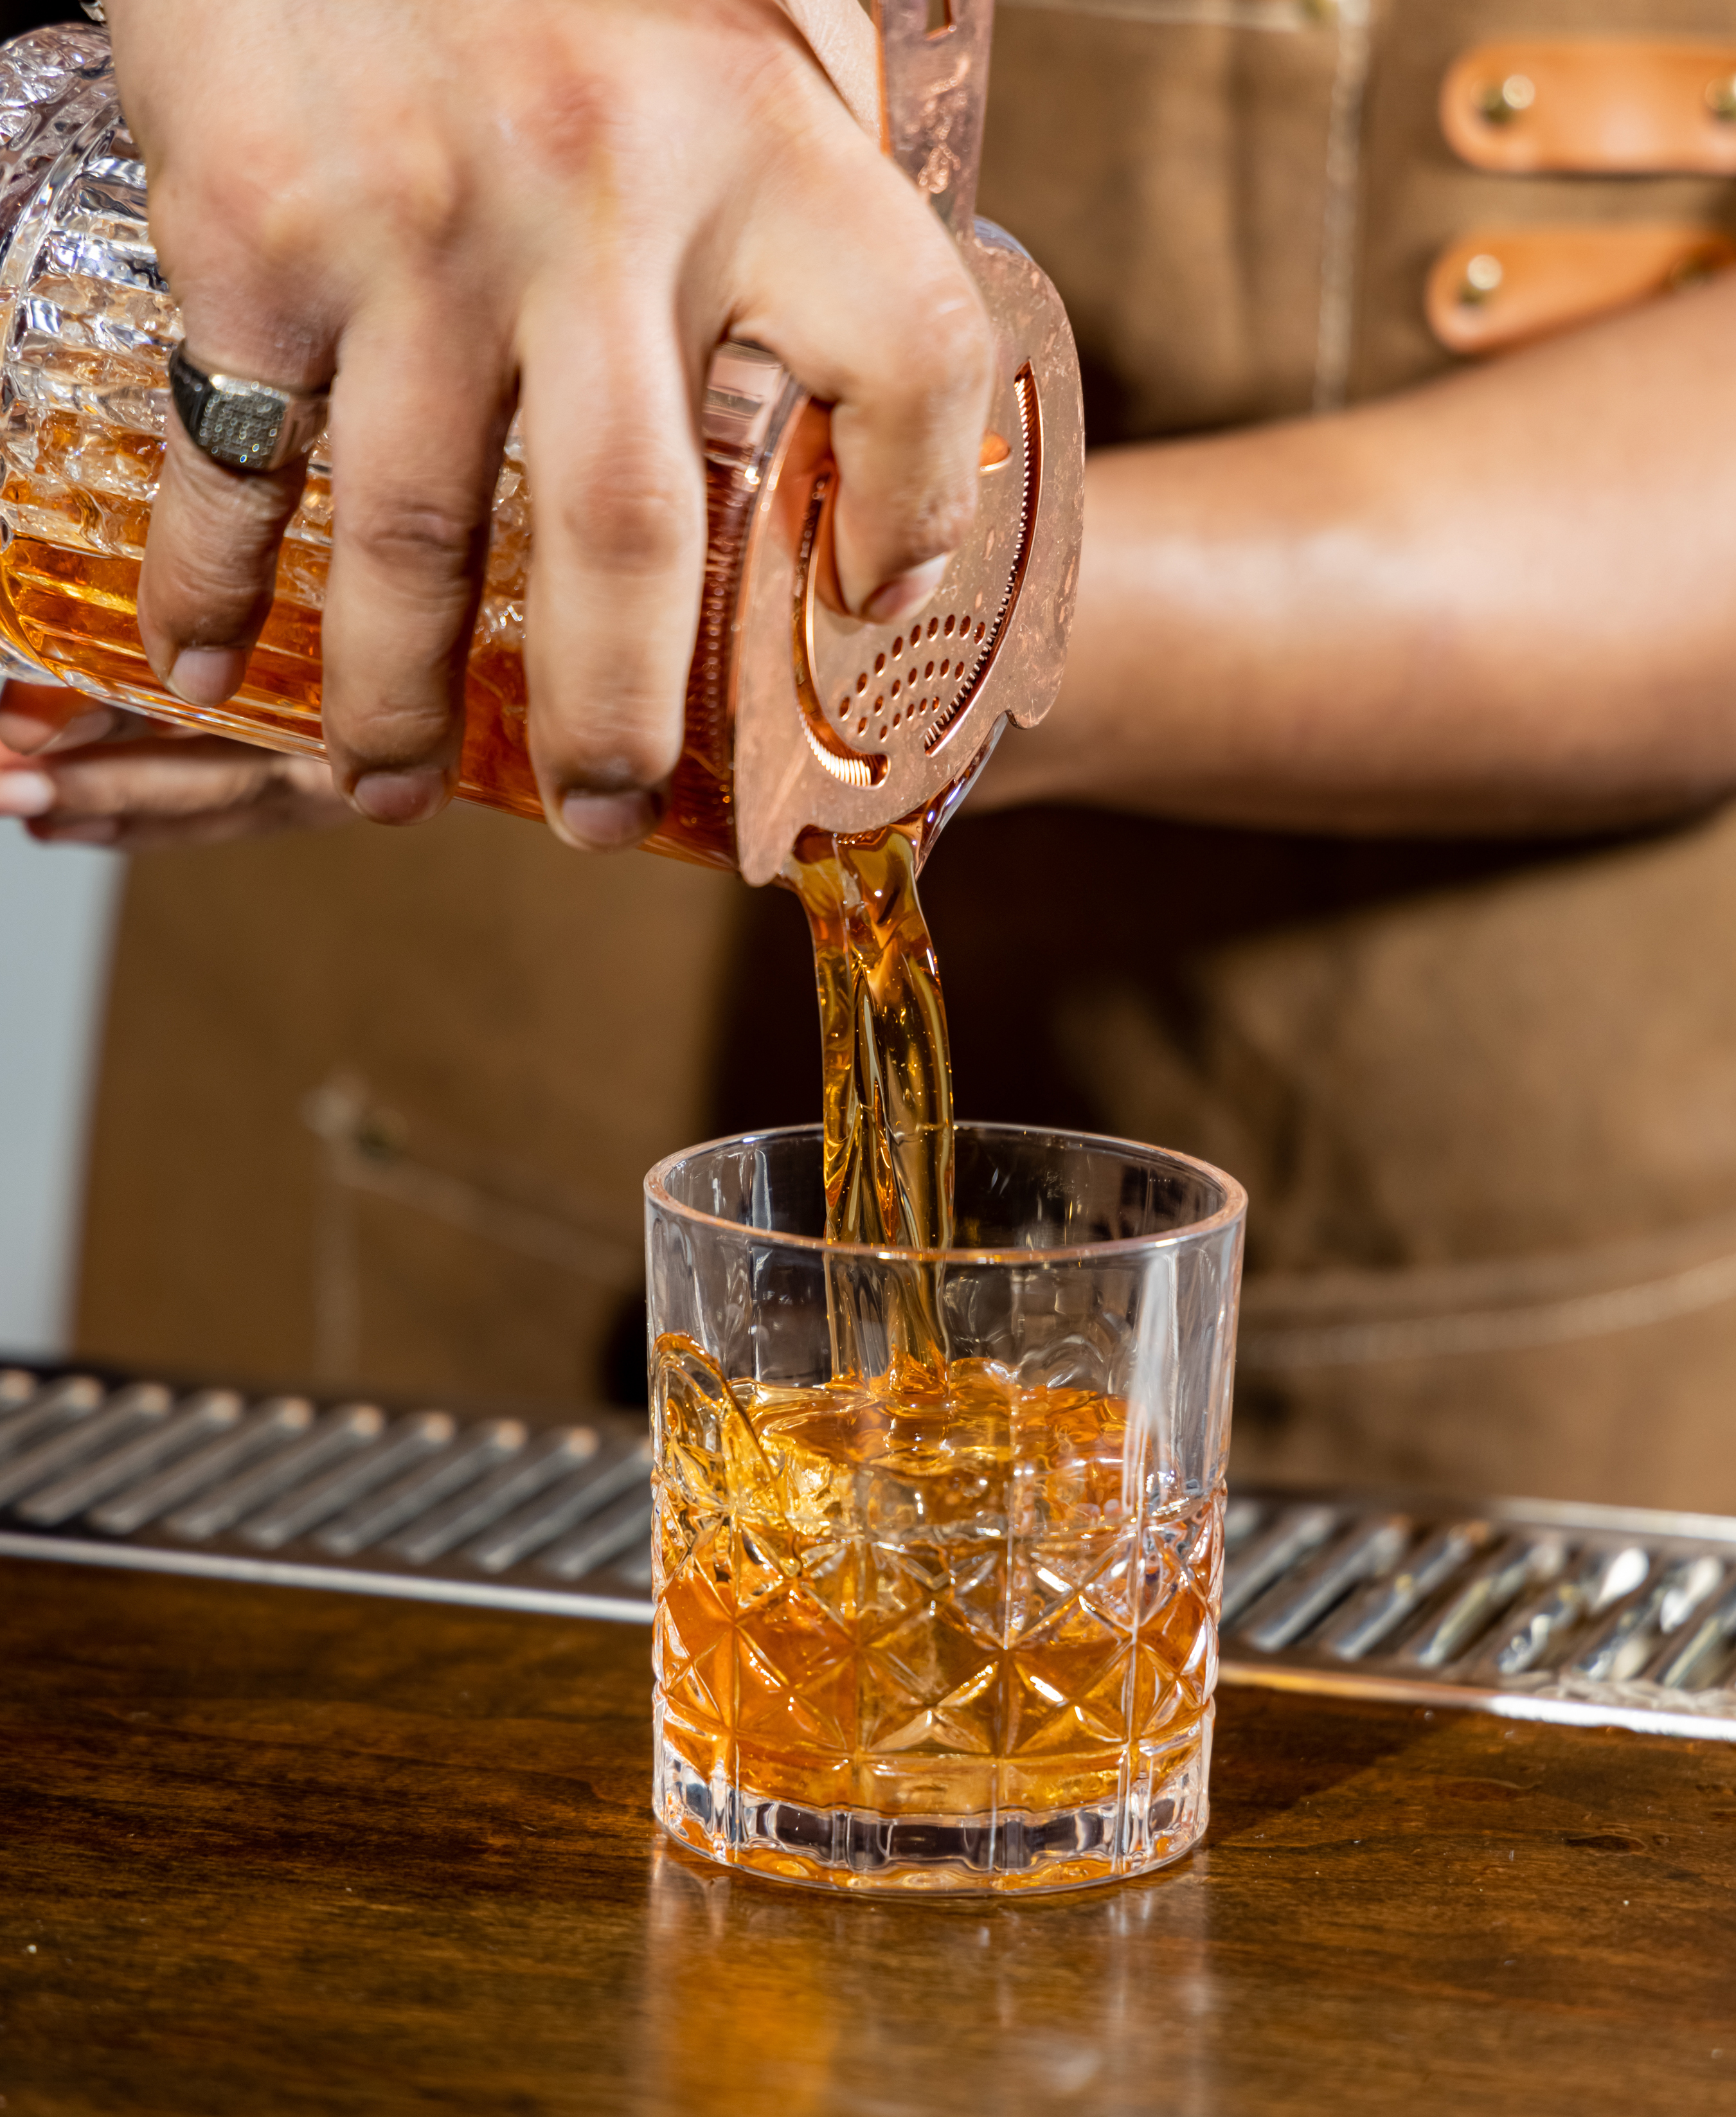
(797,716)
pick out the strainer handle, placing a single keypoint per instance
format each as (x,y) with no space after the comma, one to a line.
(934,84)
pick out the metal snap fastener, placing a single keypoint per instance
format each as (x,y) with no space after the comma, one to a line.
(1503,101)
(1483,275)
(1720,98)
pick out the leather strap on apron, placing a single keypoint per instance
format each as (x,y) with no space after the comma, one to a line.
(1499,288)
(1601,105)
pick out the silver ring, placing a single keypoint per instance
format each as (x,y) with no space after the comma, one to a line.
(247,426)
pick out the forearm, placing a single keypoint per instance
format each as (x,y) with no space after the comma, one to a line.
(1503,602)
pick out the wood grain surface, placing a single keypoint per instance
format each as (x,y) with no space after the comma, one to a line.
(269,1851)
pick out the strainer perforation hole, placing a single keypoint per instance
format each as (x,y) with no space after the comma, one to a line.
(897,703)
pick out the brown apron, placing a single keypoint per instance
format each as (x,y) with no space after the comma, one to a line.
(1484,1097)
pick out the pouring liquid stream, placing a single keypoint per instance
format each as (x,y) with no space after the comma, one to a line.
(886,1085)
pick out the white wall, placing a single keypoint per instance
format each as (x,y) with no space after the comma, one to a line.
(57,915)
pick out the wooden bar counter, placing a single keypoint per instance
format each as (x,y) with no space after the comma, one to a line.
(269,1851)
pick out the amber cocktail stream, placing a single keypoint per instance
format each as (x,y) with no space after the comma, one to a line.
(940,1625)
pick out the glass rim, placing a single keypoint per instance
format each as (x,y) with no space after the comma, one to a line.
(1233,1209)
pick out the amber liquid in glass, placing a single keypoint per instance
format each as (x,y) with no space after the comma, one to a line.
(906,1603)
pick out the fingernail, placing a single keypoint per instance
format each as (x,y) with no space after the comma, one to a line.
(909,592)
(85,728)
(410,796)
(27,735)
(21,733)
(87,831)
(207,675)
(607,822)
(26,794)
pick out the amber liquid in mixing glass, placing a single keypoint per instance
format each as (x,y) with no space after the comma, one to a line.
(926,1597)
(69,581)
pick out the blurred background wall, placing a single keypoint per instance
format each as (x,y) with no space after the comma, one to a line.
(57,915)
(375,1106)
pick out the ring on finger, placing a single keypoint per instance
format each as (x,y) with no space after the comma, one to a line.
(244,425)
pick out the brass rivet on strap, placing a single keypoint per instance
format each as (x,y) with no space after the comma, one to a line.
(1504,100)
(1483,275)
(1720,98)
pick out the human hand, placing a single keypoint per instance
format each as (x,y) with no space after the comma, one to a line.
(80,773)
(455,212)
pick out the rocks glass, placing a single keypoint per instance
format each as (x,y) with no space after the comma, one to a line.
(940,1623)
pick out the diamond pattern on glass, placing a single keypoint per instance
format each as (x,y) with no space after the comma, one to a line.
(955,1614)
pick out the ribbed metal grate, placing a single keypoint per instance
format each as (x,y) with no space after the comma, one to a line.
(1600,1615)
(284,1489)
(1606,1616)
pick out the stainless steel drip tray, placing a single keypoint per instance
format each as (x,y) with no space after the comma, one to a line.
(110,1469)
(1605,1615)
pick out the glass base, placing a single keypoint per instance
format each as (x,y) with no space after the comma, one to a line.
(1160,1814)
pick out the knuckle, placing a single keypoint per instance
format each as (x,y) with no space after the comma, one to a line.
(282,230)
(959,345)
(391,729)
(198,581)
(639,753)
(627,763)
(635,518)
(945,523)
(569,117)
(938,346)
(421,538)
(628,746)
(195,586)
(416,184)
(226,243)
(931,536)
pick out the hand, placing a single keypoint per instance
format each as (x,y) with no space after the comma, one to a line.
(80,773)
(455,211)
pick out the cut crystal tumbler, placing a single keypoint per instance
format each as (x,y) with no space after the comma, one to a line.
(941,1617)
